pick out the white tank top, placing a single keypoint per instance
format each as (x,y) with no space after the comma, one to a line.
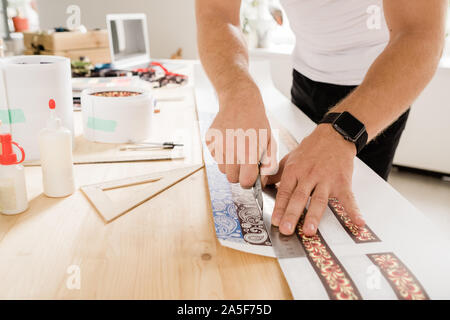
(336,40)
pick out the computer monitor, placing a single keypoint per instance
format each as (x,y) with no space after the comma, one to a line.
(4,27)
(128,40)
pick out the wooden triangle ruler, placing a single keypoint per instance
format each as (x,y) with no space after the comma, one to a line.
(159,182)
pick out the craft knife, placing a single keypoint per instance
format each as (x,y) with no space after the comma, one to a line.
(152,145)
(257,192)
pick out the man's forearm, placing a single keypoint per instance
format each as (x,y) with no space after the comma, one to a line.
(223,50)
(394,80)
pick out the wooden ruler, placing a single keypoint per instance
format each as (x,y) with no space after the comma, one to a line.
(159,182)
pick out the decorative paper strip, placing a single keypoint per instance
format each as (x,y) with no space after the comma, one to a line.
(334,277)
(250,217)
(226,220)
(358,234)
(400,278)
(237,217)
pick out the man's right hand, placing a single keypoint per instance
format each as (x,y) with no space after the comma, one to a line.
(224,55)
(240,138)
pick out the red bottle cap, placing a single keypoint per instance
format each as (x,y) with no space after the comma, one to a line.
(8,157)
(52,104)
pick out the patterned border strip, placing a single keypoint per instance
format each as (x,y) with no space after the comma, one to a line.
(401,279)
(226,221)
(236,215)
(334,277)
(250,216)
(358,234)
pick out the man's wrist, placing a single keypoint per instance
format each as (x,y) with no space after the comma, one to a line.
(326,131)
(241,98)
(349,127)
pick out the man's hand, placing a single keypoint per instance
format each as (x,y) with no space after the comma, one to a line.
(224,55)
(240,137)
(320,167)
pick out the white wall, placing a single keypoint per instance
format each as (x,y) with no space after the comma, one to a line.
(171,22)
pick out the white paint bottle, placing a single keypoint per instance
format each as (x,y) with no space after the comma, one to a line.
(55,147)
(13,190)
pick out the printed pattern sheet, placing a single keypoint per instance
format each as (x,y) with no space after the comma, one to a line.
(358,234)
(402,281)
(236,215)
(239,225)
(336,280)
(386,259)
(238,222)
(332,274)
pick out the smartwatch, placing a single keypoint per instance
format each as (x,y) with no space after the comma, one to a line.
(349,127)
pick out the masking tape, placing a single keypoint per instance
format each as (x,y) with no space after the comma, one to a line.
(12,116)
(101,125)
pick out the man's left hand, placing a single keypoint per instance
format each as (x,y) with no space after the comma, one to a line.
(320,167)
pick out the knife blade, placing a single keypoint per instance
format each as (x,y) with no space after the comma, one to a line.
(285,247)
(257,192)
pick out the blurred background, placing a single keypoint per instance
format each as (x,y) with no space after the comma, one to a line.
(171,23)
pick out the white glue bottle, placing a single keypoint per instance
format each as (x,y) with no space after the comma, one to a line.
(13,190)
(55,147)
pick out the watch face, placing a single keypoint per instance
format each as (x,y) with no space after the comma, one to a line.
(349,125)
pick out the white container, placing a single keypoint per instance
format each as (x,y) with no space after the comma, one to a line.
(29,83)
(117,119)
(55,145)
(13,191)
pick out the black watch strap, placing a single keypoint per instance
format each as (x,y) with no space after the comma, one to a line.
(360,143)
(330,117)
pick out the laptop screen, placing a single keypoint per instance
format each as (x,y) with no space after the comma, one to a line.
(128,39)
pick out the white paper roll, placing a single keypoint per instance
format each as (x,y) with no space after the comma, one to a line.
(30,82)
(4,113)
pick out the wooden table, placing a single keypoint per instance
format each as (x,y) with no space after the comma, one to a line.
(164,249)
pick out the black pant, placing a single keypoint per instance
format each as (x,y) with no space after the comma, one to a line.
(316,98)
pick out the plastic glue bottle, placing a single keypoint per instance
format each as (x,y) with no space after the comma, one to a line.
(13,190)
(55,146)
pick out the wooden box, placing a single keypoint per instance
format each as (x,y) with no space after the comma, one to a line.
(92,44)
(62,41)
(98,55)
